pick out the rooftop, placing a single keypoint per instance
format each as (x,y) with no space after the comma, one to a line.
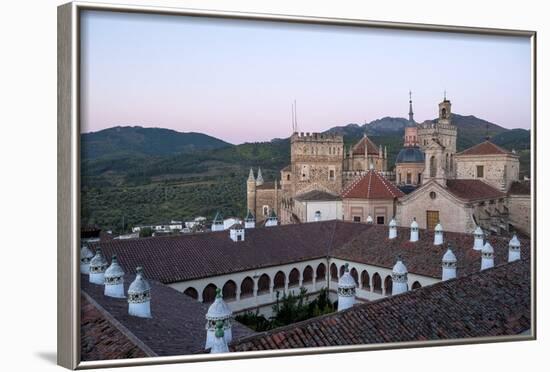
(359,147)
(317,195)
(493,302)
(372,185)
(485,148)
(473,190)
(177,326)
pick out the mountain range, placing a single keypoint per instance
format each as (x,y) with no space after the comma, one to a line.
(133,175)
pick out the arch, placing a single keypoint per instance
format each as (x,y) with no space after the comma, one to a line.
(321,272)
(247,287)
(355,276)
(307,276)
(294,277)
(432,166)
(416,285)
(279,280)
(388,285)
(365,280)
(333,272)
(229,290)
(192,292)
(342,269)
(376,283)
(209,293)
(263,283)
(444,113)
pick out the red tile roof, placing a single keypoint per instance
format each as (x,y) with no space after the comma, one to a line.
(485,148)
(473,190)
(421,257)
(493,302)
(183,257)
(372,148)
(100,339)
(372,186)
(176,328)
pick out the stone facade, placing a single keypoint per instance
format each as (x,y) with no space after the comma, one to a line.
(497,170)
(358,210)
(520,212)
(409,173)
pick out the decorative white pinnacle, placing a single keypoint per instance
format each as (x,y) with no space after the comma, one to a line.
(414,230)
(514,249)
(392,229)
(487,256)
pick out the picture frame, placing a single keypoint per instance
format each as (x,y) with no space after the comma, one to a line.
(68,178)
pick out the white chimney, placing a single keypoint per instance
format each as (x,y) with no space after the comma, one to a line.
(399,278)
(219,345)
(98,265)
(249,221)
(393,229)
(217,223)
(414,230)
(369,219)
(514,249)
(448,264)
(346,290)
(317,217)
(487,256)
(236,232)
(86,256)
(114,280)
(272,219)
(218,311)
(139,296)
(478,238)
(438,234)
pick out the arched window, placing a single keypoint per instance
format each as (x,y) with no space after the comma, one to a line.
(377,283)
(293,278)
(209,293)
(365,280)
(247,287)
(229,290)
(321,272)
(308,275)
(432,166)
(192,292)
(288,177)
(451,164)
(388,285)
(342,268)
(263,283)
(416,285)
(333,272)
(443,113)
(447,162)
(354,275)
(279,281)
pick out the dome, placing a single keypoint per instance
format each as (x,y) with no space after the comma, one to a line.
(514,242)
(98,263)
(449,256)
(114,271)
(399,268)
(346,280)
(487,248)
(139,285)
(219,310)
(86,253)
(410,155)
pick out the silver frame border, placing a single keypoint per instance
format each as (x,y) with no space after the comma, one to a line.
(68,177)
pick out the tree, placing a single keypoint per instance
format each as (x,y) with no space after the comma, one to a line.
(145,232)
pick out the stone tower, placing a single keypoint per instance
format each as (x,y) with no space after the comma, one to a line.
(316,162)
(251,192)
(444,133)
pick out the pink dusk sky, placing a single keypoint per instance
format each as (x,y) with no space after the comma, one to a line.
(236,80)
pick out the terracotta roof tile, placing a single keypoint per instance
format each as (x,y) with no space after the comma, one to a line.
(372,148)
(484,148)
(473,189)
(490,303)
(372,185)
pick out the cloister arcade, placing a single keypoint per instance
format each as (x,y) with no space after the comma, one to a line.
(258,289)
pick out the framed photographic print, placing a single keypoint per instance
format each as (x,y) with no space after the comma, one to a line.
(236,185)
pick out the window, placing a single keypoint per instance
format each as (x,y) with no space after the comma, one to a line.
(479,171)
(265,210)
(432,195)
(380,220)
(288,177)
(432,166)
(419,178)
(331,174)
(409,178)
(356,219)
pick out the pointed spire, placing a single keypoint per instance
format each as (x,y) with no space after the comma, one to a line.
(259,179)
(251,175)
(411,113)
